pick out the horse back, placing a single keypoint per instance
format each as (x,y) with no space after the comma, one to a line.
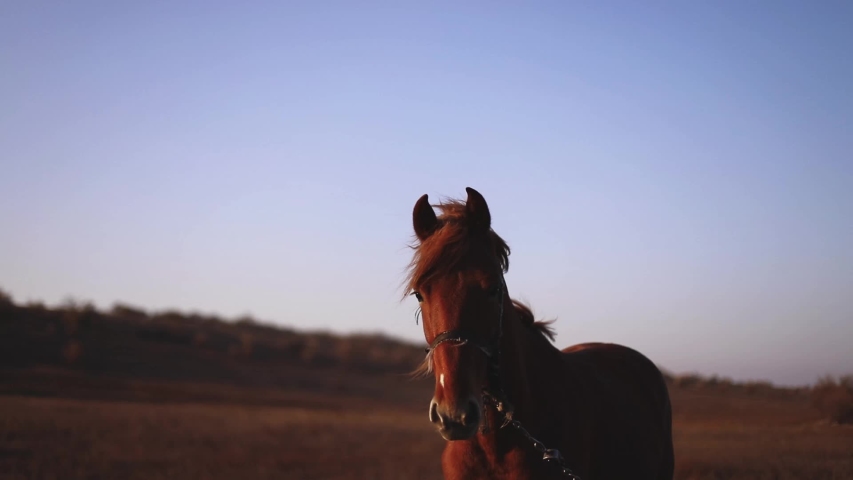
(629,413)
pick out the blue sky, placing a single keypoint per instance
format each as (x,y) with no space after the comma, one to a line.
(673,177)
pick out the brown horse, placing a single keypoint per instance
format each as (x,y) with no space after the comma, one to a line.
(510,404)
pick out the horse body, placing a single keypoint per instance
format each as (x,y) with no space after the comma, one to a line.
(628,417)
(605,407)
(606,410)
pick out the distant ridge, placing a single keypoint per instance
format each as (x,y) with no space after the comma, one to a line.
(129,342)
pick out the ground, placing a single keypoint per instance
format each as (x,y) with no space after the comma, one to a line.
(130,395)
(187,431)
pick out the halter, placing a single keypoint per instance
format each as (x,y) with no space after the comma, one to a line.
(493,392)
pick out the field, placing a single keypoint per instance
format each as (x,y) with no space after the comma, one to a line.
(169,409)
(62,438)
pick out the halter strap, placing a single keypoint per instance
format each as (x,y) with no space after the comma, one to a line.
(461,338)
(490,348)
(493,391)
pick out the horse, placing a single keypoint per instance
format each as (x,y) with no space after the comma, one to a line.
(509,404)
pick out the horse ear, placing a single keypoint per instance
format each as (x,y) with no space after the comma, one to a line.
(423,218)
(478,210)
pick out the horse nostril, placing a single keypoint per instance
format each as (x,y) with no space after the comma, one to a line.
(433,412)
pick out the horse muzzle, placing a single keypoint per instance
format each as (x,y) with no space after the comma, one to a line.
(456,423)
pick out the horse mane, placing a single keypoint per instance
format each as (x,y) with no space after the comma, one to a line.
(525,314)
(444,249)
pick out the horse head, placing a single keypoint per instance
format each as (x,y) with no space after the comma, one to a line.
(457,276)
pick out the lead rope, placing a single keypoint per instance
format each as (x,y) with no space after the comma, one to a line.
(494,394)
(549,455)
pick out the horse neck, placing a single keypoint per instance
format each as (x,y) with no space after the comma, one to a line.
(525,353)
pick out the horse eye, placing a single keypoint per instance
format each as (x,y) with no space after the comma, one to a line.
(494,291)
(418,296)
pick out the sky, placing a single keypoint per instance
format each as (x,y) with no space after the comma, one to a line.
(671,176)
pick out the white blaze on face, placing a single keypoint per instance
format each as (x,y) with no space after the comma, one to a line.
(441,380)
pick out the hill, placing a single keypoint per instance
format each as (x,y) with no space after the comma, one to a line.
(130,394)
(127,344)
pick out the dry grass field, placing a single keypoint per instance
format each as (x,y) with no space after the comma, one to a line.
(72,439)
(94,396)
(189,431)
(727,435)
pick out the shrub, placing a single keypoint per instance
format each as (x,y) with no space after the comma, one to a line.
(200,339)
(834,398)
(170,318)
(71,304)
(758,387)
(246,342)
(71,322)
(246,320)
(690,380)
(36,306)
(6,299)
(72,351)
(125,311)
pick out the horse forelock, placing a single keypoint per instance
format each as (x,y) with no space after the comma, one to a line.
(448,246)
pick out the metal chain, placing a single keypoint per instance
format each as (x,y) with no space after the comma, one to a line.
(497,397)
(550,455)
